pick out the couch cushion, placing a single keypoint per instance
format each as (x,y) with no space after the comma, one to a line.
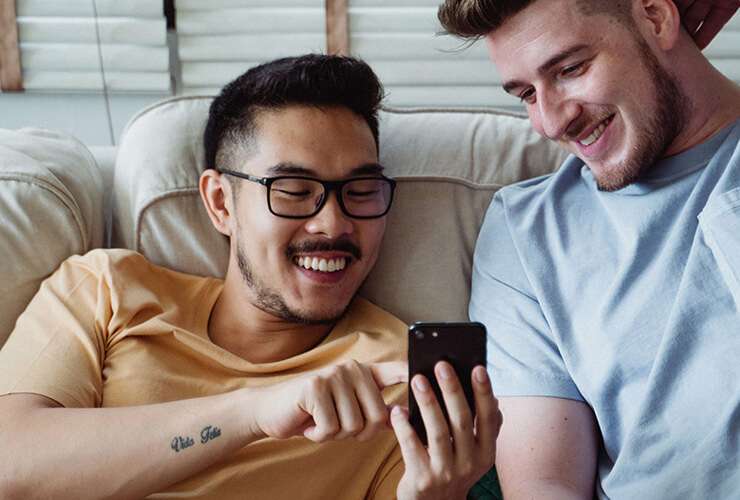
(448,164)
(52,207)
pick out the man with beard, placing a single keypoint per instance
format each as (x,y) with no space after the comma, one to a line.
(611,288)
(123,379)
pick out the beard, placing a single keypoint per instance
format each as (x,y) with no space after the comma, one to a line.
(658,131)
(272,302)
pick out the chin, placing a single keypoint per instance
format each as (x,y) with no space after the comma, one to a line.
(326,311)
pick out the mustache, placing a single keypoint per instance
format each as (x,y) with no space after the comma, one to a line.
(340,245)
(582,122)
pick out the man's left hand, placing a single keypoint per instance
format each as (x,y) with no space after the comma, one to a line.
(455,458)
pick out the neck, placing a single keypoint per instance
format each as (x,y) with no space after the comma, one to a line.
(714,100)
(253,334)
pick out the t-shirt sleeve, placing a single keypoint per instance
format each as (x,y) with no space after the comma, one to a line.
(57,348)
(523,359)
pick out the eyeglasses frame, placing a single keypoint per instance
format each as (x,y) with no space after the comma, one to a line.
(328,186)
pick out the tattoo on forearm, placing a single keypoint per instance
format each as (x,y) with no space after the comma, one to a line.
(180,443)
(209,433)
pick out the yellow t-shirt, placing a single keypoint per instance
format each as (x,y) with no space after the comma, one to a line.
(110,329)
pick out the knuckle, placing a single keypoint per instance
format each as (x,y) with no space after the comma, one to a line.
(447,476)
(424,483)
(331,428)
(354,427)
(462,423)
(439,439)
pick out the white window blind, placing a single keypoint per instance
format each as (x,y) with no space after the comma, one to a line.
(219,40)
(724,51)
(58,42)
(401,39)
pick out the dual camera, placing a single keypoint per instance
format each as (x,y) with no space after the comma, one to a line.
(420,334)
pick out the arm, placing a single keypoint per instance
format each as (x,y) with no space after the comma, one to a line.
(132,452)
(114,452)
(547,448)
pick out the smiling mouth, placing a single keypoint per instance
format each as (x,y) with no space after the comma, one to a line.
(322,265)
(596,134)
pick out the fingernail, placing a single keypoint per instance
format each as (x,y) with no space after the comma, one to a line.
(481,376)
(420,384)
(396,411)
(445,371)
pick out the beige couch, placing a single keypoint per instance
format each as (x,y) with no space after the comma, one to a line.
(54,199)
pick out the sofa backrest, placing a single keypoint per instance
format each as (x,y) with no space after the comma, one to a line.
(448,165)
(51,207)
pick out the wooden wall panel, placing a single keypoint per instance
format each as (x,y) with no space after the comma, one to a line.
(10,61)
(337,27)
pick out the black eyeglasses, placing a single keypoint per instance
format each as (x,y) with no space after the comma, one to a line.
(298,197)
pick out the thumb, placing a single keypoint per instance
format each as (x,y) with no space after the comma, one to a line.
(390,373)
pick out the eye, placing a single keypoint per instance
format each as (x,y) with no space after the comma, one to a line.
(290,194)
(573,70)
(527,95)
(356,193)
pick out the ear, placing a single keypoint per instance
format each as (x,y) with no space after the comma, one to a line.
(215,192)
(660,21)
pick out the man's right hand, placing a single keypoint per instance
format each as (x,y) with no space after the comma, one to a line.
(336,402)
(703,19)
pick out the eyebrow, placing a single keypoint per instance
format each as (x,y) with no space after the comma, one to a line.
(288,168)
(548,65)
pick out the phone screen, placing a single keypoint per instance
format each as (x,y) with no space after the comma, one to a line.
(463,345)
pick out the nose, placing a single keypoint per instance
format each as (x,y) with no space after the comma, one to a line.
(553,114)
(330,221)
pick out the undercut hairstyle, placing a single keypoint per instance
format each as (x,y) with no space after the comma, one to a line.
(311,80)
(474,19)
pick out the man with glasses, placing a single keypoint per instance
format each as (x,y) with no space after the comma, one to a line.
(123,379)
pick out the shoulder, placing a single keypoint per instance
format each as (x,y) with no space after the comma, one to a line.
(539,192)
(122,269)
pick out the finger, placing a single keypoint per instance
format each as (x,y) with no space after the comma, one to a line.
(488,417)
(320,405)
(351,420)
(438,433)
(713,23)
(390,373)
(695,14)
(415,456)
(458,411)
(371,403)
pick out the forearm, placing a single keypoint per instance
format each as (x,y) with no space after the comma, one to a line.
(120,452)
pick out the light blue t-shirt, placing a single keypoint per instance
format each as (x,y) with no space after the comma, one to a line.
(630,302)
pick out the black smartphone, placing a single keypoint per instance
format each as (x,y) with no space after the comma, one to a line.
(463,345)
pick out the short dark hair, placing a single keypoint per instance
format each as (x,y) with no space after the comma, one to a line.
(474,19)
(313,80)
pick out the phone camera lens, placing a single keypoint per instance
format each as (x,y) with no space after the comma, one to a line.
(420,335)
(435,334)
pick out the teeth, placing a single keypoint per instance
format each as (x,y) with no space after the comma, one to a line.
(595,134)
(321,265)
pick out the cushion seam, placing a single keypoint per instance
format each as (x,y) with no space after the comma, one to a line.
(68,203)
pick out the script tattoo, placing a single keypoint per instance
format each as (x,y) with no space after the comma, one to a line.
(180,443)
(208,433)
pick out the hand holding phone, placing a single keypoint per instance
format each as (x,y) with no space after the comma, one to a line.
(462,449)
(463,345)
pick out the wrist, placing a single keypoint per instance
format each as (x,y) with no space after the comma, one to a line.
(246,404)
